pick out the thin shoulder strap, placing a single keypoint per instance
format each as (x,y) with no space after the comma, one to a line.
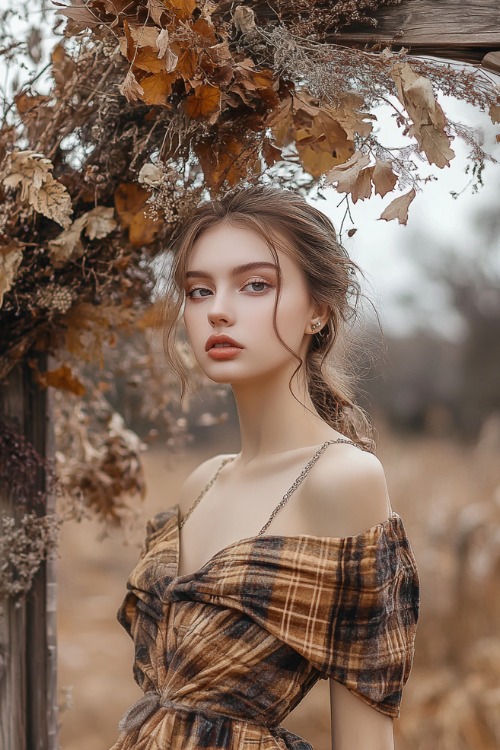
(205,490)
(305,471)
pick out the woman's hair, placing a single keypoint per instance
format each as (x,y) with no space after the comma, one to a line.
(286,221)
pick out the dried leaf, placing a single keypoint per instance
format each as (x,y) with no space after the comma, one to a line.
(204,102)
(62,378)
(383,177)
(156,9)
(244,19)
(11,256)
(227,159)
(416,94)
(346,175)
(67,244)
(142,36)
(32,171)
(162,44)
(183,9)
(157,88)
(495,113)
(398,208)
(130,202)
(130,88)
(100,222)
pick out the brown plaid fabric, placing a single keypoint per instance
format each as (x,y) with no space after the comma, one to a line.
(224,654)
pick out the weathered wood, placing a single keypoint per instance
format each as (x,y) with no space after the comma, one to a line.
(491,61)
(28,697)
(442,28)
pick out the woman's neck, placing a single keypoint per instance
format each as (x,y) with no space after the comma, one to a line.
(273,421)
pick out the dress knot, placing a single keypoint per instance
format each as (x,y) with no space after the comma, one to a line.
(139,711)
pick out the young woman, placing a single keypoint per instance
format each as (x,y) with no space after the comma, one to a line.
(242,602)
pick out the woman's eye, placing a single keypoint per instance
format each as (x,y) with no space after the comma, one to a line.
(198,289)
(258,283)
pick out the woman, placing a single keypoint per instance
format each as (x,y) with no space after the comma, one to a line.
(232,625)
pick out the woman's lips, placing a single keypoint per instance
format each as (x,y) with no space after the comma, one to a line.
(224,352)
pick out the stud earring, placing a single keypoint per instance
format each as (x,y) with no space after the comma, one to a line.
(315,325)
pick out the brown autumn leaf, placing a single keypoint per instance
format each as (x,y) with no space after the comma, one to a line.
(346,175)
(204,102)
(63,378)
(163,47)
(383,177)
(226,159)
(156,9)
(11,256)
(270,153)
(130,203)
(157,88)
(495,113)
(183,9)
(32,172)
(398,208)
(416,94)
(130,88)
(142,36)
(26,102)
(97,223)
(280,120)
(349,116)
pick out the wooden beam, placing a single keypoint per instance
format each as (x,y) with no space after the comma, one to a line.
(441,28)
(28,682)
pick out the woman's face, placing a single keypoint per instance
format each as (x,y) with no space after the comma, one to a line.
(231,287)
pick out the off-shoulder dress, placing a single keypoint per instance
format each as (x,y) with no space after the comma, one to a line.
(224,654)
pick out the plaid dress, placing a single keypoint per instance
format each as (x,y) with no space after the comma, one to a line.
(224,654)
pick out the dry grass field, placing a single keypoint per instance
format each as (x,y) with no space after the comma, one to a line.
(449,498)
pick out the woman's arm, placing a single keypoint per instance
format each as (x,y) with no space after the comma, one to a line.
(355,724)
(348,495)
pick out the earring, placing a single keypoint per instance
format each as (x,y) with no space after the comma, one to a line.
(315,325)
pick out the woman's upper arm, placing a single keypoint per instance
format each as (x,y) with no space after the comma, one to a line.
(355,724)
(348,494)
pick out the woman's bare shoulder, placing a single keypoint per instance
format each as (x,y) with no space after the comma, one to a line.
(348,492)
(198,478)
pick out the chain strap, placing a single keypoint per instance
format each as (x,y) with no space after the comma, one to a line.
(205,490)
(287,494)
(305,471)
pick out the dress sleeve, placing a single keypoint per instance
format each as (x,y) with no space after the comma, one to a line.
(369,643)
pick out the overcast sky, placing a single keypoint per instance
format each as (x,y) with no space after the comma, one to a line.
(388,252)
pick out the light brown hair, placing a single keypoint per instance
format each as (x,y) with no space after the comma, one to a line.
(310,240)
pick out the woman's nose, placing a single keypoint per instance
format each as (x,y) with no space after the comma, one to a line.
(219,313)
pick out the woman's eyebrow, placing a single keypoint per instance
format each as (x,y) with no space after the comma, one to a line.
(235,272)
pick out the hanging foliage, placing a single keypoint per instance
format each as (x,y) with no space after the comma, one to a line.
(154,105)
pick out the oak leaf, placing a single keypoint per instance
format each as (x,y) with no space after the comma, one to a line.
(416,94)
(383,177)
(11,256)
(130,203)
(32,172)
(398,208)
(348,176)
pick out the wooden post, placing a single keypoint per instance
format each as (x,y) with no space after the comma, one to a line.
(28,682)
